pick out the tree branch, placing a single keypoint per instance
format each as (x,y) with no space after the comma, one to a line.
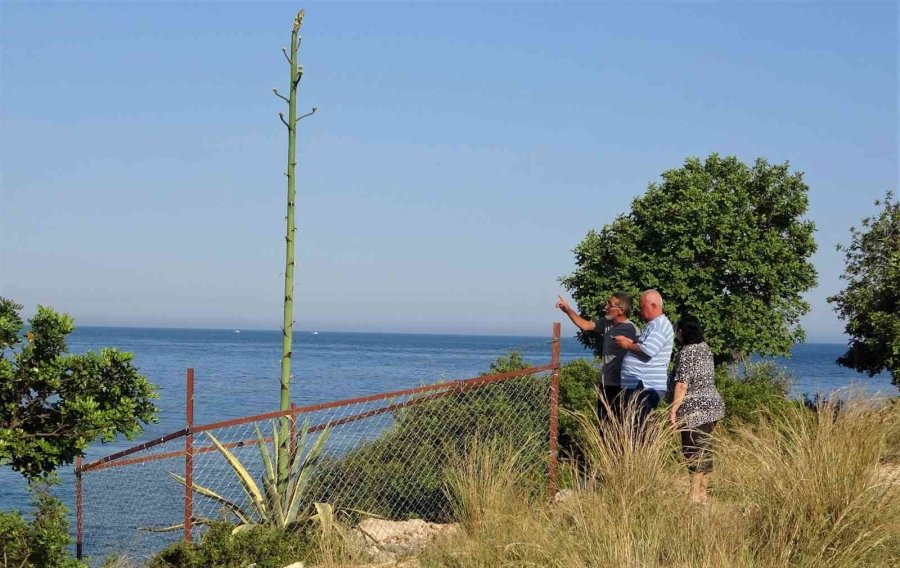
(281,116)
(286,56)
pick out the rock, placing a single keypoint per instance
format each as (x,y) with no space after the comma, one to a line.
(294,565)
(385,541)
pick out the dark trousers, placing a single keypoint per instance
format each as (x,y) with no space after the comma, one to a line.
(610,403)
(696,446)
(646,401)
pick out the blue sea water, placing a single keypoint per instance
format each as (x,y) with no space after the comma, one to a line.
(237,374)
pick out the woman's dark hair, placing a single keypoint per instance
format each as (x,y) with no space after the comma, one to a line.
(691,330)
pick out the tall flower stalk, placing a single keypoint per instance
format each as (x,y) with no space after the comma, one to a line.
(289,263)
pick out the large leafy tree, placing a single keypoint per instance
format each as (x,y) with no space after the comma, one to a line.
(52,403)
(870,304)
(719,239)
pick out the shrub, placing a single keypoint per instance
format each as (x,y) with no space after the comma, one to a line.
(264,546)
(402,473)
(578,384)
(761,387)
(40,542)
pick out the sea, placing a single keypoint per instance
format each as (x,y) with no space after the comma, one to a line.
(237,373)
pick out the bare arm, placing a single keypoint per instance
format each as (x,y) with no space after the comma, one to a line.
(580,322)
(628,344)
(681,387)
(678,398)
(680,390)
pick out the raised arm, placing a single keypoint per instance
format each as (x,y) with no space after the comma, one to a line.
(580,322)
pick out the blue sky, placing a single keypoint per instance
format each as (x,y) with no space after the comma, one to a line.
(460,152)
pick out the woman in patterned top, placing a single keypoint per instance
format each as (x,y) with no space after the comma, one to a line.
(696,405)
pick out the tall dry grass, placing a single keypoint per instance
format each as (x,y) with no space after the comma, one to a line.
(802,489)
(811,488)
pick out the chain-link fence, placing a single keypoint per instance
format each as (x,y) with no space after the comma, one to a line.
(385,455)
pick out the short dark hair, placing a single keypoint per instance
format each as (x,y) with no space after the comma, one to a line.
(691,330)
(624,301)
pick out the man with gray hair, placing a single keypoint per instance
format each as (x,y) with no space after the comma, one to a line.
(608,328)
(646,363)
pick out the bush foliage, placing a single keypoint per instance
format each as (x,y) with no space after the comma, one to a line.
(402,473)
(53,404)
(40,542)
(264,546)
(753,390)
(870,303)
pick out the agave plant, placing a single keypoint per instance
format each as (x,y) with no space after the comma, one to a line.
(270,505)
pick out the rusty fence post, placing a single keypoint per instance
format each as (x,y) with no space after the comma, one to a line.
(554,408)
(79,511)
(189,456)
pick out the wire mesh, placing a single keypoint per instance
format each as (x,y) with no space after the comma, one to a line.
(123,499)
(384,455)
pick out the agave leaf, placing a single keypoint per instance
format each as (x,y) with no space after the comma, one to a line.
(299,479)
(179,526)
(242,528)
(243,475)
(364,513)
(317,448)
(241,514)
(325,516)
(301,444)
(275,507)
(264,452)
(276,442)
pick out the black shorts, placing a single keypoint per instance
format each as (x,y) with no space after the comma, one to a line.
(696,446)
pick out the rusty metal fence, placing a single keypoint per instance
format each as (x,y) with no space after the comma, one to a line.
(386,454)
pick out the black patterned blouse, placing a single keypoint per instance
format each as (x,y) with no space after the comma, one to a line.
(702,402)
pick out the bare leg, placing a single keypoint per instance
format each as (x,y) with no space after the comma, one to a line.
(699,484)
(696,480)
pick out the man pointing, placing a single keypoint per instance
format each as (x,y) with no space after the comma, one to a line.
(615,324)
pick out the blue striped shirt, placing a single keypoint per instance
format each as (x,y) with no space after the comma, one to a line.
(652,367)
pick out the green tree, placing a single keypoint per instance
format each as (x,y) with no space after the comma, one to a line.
(719,239)
(870,303)
(53,404)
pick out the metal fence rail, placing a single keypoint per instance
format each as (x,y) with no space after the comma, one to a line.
(385,454)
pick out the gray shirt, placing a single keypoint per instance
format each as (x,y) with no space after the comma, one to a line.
(612,353)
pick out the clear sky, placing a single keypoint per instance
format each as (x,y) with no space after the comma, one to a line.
(460,152)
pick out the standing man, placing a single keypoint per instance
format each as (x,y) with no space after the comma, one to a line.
(615,324)
(646,363)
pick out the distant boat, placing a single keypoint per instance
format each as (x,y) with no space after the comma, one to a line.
(315,333)
(237,331)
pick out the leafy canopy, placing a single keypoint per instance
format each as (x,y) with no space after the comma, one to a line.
(870,304)
(53,404)
(719,239)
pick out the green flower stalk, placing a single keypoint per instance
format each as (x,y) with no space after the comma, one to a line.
(288,323)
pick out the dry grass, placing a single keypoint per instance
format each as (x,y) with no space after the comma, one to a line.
(805,489)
